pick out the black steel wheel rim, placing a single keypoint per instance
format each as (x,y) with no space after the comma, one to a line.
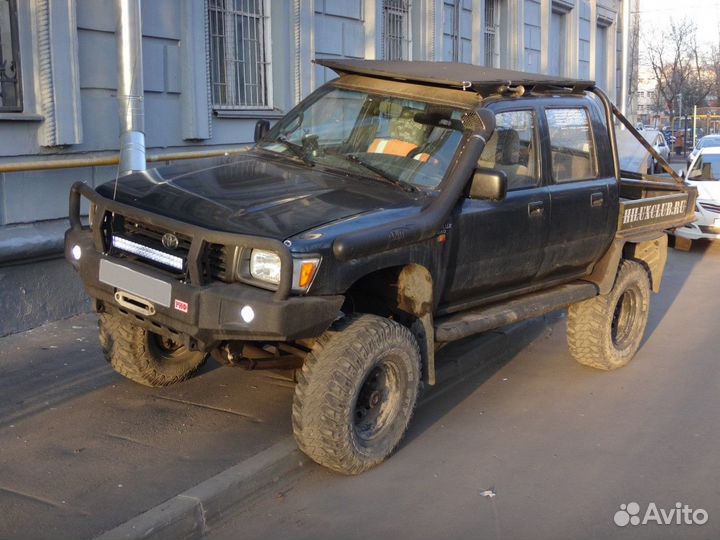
(625,317)
(165,348)
(378,402)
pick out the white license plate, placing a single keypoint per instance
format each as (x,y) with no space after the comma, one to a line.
(132,281)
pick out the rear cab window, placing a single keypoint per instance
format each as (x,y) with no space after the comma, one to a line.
(573,156)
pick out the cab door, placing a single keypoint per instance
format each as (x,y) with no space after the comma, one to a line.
(498,246)
(582,188)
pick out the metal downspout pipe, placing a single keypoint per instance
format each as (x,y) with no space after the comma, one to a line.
(128,34)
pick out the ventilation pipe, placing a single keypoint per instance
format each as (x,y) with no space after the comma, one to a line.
(128,34)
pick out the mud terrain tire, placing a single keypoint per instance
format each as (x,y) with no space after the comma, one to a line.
(356,393)
(143,356)
(605,332)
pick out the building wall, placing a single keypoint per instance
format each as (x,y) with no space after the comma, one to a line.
(69,79)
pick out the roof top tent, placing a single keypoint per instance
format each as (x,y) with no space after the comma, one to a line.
(480,79)
(486,81)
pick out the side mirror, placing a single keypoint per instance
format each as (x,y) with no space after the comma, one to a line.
(261,128)
(489,184)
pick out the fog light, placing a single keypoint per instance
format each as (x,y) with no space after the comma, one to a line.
(76,252)
(247,313)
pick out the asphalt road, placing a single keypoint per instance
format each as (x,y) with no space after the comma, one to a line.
(561,446)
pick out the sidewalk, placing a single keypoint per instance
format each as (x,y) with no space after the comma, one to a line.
(84,450)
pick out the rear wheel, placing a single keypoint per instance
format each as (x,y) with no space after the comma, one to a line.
(143,356)
(605,332)
(356,393)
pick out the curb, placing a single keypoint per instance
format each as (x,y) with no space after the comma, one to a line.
(190,514)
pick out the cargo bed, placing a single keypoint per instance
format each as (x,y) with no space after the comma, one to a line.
(649,203)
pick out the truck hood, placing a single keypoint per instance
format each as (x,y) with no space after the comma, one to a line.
(256,194)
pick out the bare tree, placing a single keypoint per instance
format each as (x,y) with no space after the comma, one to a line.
(715,73)
(678,66)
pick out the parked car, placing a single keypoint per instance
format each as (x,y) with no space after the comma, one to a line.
(658,142)
(399,207)
(704,174)
(709,141)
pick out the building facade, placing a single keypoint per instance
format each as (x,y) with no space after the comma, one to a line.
(211,69)
(650,108)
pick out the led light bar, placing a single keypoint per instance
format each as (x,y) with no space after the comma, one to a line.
(147,252)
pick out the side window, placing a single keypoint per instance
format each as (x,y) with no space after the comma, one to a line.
(571,143)
(513,149)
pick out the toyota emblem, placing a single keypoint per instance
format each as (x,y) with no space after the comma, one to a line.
(170,241)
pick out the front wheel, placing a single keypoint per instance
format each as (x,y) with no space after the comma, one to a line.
(605,332)
(143,356)
(356,393)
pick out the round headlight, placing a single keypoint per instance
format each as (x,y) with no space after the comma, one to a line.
(265,266)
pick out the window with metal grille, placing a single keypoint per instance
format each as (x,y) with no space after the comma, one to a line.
(238,59)
(491,32)
(396,29)
(10,90)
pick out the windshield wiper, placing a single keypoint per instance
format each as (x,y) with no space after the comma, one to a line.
(296,149)
(378,172)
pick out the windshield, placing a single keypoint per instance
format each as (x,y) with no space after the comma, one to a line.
(706,167)
(392,139)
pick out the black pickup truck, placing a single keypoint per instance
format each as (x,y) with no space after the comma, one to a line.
(399,207)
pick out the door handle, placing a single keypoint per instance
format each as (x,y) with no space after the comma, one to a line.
(597,199)
(536,209)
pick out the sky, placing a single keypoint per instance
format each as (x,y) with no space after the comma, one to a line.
(705,14)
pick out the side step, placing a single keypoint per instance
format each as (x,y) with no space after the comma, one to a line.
(484,318)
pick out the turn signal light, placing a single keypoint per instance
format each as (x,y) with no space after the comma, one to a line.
(307,273)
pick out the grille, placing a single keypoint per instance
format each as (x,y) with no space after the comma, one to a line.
(214,259)
(150,236)
(216,262)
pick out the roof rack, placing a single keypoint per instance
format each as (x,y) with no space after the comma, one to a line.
(480,79)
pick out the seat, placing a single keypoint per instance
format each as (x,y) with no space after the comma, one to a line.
(503,153)
(405,136)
